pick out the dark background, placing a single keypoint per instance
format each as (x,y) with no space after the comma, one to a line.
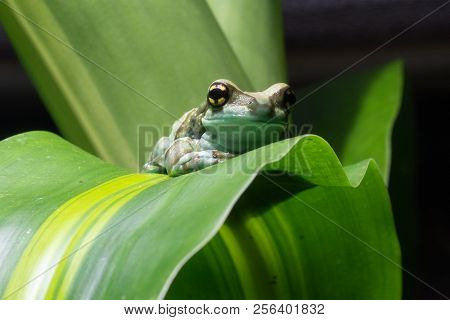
(324,37)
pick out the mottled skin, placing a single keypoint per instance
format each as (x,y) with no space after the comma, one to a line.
(228,123)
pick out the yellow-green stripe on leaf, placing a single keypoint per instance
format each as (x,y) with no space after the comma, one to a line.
(102,233)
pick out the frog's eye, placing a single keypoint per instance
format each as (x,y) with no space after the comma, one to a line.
(218,95)
(289,98)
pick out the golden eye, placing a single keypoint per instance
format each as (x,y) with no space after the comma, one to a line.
(289,98)
(218,94)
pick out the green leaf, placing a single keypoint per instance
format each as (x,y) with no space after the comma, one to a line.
(278,246)
(254,30)
(74,227)
(355,113)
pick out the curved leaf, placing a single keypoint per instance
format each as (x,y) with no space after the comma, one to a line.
(356,113)
(74,227)
(310,243)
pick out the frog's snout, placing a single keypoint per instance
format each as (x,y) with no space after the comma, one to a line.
(262,108)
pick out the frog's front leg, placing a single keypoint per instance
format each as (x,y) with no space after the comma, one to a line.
(184,156)
(155,163)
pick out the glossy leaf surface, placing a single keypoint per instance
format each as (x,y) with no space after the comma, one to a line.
(74,227)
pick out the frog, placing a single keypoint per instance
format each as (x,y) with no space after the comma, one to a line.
(229,122)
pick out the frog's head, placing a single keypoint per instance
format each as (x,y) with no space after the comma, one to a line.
(243,121)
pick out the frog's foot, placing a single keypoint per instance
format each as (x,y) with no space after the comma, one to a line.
(197,160)
(155,163)
(152,168)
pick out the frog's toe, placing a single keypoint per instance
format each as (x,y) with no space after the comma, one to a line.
(151,168)
(194,161)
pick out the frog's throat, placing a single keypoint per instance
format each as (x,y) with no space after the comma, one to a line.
(243,121)
(240,137)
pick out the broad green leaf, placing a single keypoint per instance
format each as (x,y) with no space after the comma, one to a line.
(103,68)
(254,30)
(56,172)
(277,246)
(74,227)
(355,113)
